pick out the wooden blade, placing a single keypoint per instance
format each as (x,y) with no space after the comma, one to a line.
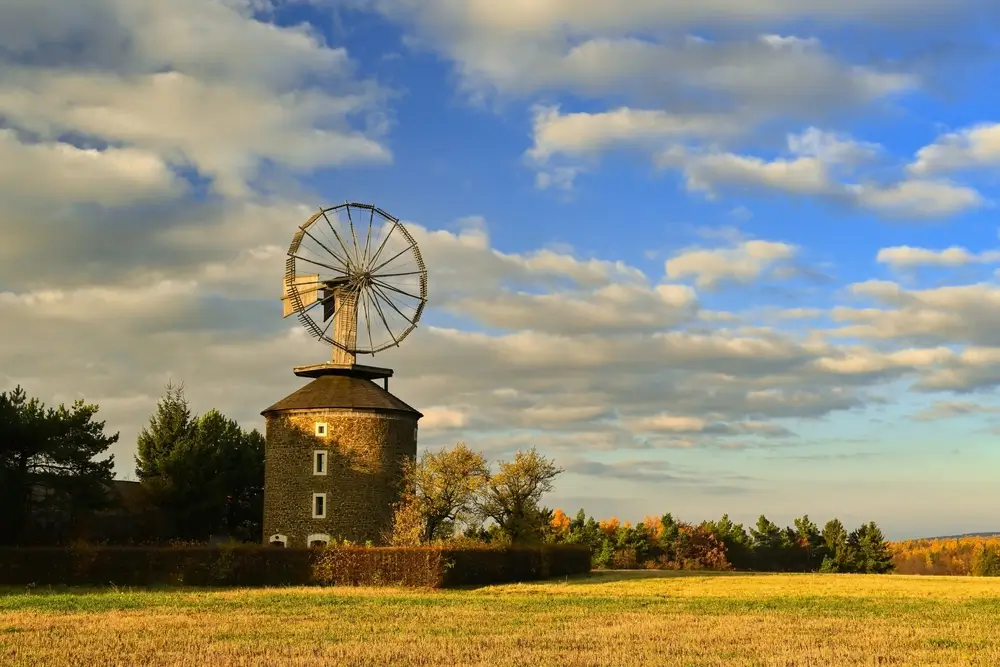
(308,289)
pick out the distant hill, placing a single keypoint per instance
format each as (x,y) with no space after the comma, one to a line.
(955,537)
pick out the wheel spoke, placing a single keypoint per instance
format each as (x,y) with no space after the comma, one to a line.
(368,324)
(390,287)
(368,239)
(324,247)
(341,241)
(393,275)
(389,300)
(382,315)
(409,247)
(325,266)
(381,246)
(357,246)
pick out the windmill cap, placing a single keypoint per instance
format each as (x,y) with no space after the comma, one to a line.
(342,392)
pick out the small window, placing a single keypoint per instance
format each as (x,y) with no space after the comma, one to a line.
(318,540)
(414,432)
(319,505)
(321,429)
(278,540)
(319,462)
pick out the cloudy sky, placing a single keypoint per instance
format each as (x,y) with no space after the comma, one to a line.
(710,255)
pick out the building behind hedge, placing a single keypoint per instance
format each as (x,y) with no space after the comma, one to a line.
(334,457)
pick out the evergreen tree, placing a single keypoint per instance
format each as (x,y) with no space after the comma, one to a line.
(870,550)
(768,541)
(838,556)
(810,544)
(169,427)
(48,464)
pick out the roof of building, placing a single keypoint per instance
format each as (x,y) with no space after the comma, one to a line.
(341,391)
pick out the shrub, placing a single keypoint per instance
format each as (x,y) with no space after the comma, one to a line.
(255,565)
(494,565)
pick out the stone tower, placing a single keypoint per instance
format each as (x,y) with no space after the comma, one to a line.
(333,457)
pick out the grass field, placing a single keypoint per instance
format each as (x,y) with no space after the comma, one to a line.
(607,619)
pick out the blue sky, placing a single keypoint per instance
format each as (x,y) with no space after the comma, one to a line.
(710,256)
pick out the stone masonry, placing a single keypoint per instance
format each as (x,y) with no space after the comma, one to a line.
(365,449)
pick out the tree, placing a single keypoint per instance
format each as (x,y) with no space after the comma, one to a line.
(809,542)
(205,474)
(870,550)
(511,497)
(439,494)
(768,544)
(47,463)
(212,480)
(987,563)
(838,557)
(737,542)
(169,427)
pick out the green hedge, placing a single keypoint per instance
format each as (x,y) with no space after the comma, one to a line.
(432,567)
(481,566)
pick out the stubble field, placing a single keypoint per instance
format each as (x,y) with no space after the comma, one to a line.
(626,619)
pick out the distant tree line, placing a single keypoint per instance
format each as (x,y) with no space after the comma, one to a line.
(453,495)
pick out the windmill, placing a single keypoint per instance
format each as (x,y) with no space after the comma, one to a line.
(355,279)
(335,449)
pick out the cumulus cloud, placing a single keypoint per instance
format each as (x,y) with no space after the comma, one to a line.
(937,316)
(976,146)
(192,84)
(908,257)
(745,262)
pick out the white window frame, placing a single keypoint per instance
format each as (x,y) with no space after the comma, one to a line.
(278,537)
(318,537)
(326,461)
(414,433)
(314,497)
(321,429)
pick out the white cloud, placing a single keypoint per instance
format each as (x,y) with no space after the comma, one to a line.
(194,83)
(576,134)
(63,174)
(976,146)
(746,262)
(917,198)
(908,257)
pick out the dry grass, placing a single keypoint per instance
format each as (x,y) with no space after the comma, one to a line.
(608,619)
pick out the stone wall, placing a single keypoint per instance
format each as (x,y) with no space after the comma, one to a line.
(364,450)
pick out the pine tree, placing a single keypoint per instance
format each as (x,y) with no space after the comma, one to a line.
(169,427)
(870,550)
(54,449)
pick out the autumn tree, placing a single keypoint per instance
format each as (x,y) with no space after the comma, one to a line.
(439,493)
(512,495)
(560,523)
(736,540)
(48,463)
